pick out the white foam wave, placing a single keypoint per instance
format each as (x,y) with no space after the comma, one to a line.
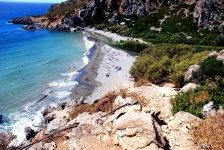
(54,83)
(22,122)
(61,83)
(88,44)
(69,75)
(61,94)
(85,60)
(70,83)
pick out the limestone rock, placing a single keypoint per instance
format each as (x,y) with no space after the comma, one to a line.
(49,146)
(208,109)
(137,130)
(56,124)
(37,146)
(209,12)
(188,87)
(177,131)
(29,132)
(22,20)
(189,72)
(220,55)
(47,110)
(119,101)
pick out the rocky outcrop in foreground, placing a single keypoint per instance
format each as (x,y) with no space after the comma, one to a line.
(131,127)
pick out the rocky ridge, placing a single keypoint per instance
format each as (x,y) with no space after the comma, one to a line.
(73,15)
(131,127)
(209,14)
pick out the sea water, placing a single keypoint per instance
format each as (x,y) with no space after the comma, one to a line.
(34,64)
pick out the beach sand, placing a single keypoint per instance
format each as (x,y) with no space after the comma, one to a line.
(113,59)
(113,36)
(94,83)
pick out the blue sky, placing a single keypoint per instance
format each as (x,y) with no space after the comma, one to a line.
(40,1)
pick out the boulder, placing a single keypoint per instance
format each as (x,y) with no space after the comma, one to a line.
(30,133)
(189,86)
(47,110)
(190,71)
(119,101)
(207,13)
(56,124)
(22,20)
(208,109)
(220,55)
(177,130)
(136,130)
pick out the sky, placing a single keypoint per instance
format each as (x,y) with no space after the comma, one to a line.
(40,1)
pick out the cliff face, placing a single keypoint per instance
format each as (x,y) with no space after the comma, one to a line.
(210,14)
(71,14)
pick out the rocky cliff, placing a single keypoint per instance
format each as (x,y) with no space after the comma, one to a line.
(131,127)
(210,14)
(66,16)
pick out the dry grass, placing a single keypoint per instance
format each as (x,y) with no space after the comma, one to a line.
(140,82)
(202,97)
(106,103)
(209,133)
(79,109)
(5,139)
(139,98)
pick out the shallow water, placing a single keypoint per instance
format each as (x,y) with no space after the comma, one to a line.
(34,64)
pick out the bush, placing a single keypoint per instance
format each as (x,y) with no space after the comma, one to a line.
(212,67)
(166,63)
(191,101)
(209,133)
(194,100)
(132,45)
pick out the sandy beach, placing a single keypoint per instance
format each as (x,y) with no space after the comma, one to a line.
(94,83)
(113,36)
(113,72)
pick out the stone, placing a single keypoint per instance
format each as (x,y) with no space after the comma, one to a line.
(177,131)
(22,20)
(209,12)
(189,86)
(208,109)
(56,124)
(190,71)
(137,130)
(47,110)
(49,146)
(37,146)
(30,133)
(119,101)
(213,54)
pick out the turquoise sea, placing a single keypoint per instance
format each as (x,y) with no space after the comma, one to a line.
(34,64)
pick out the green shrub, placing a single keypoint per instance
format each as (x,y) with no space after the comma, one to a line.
(211,67)
(166,63)
(132,45)
(194,100)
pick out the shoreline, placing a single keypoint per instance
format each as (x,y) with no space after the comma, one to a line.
(93,83)
(88,75)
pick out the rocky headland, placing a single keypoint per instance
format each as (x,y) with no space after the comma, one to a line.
(74,15)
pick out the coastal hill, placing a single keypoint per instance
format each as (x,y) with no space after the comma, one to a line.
(74,13)
(177,98)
